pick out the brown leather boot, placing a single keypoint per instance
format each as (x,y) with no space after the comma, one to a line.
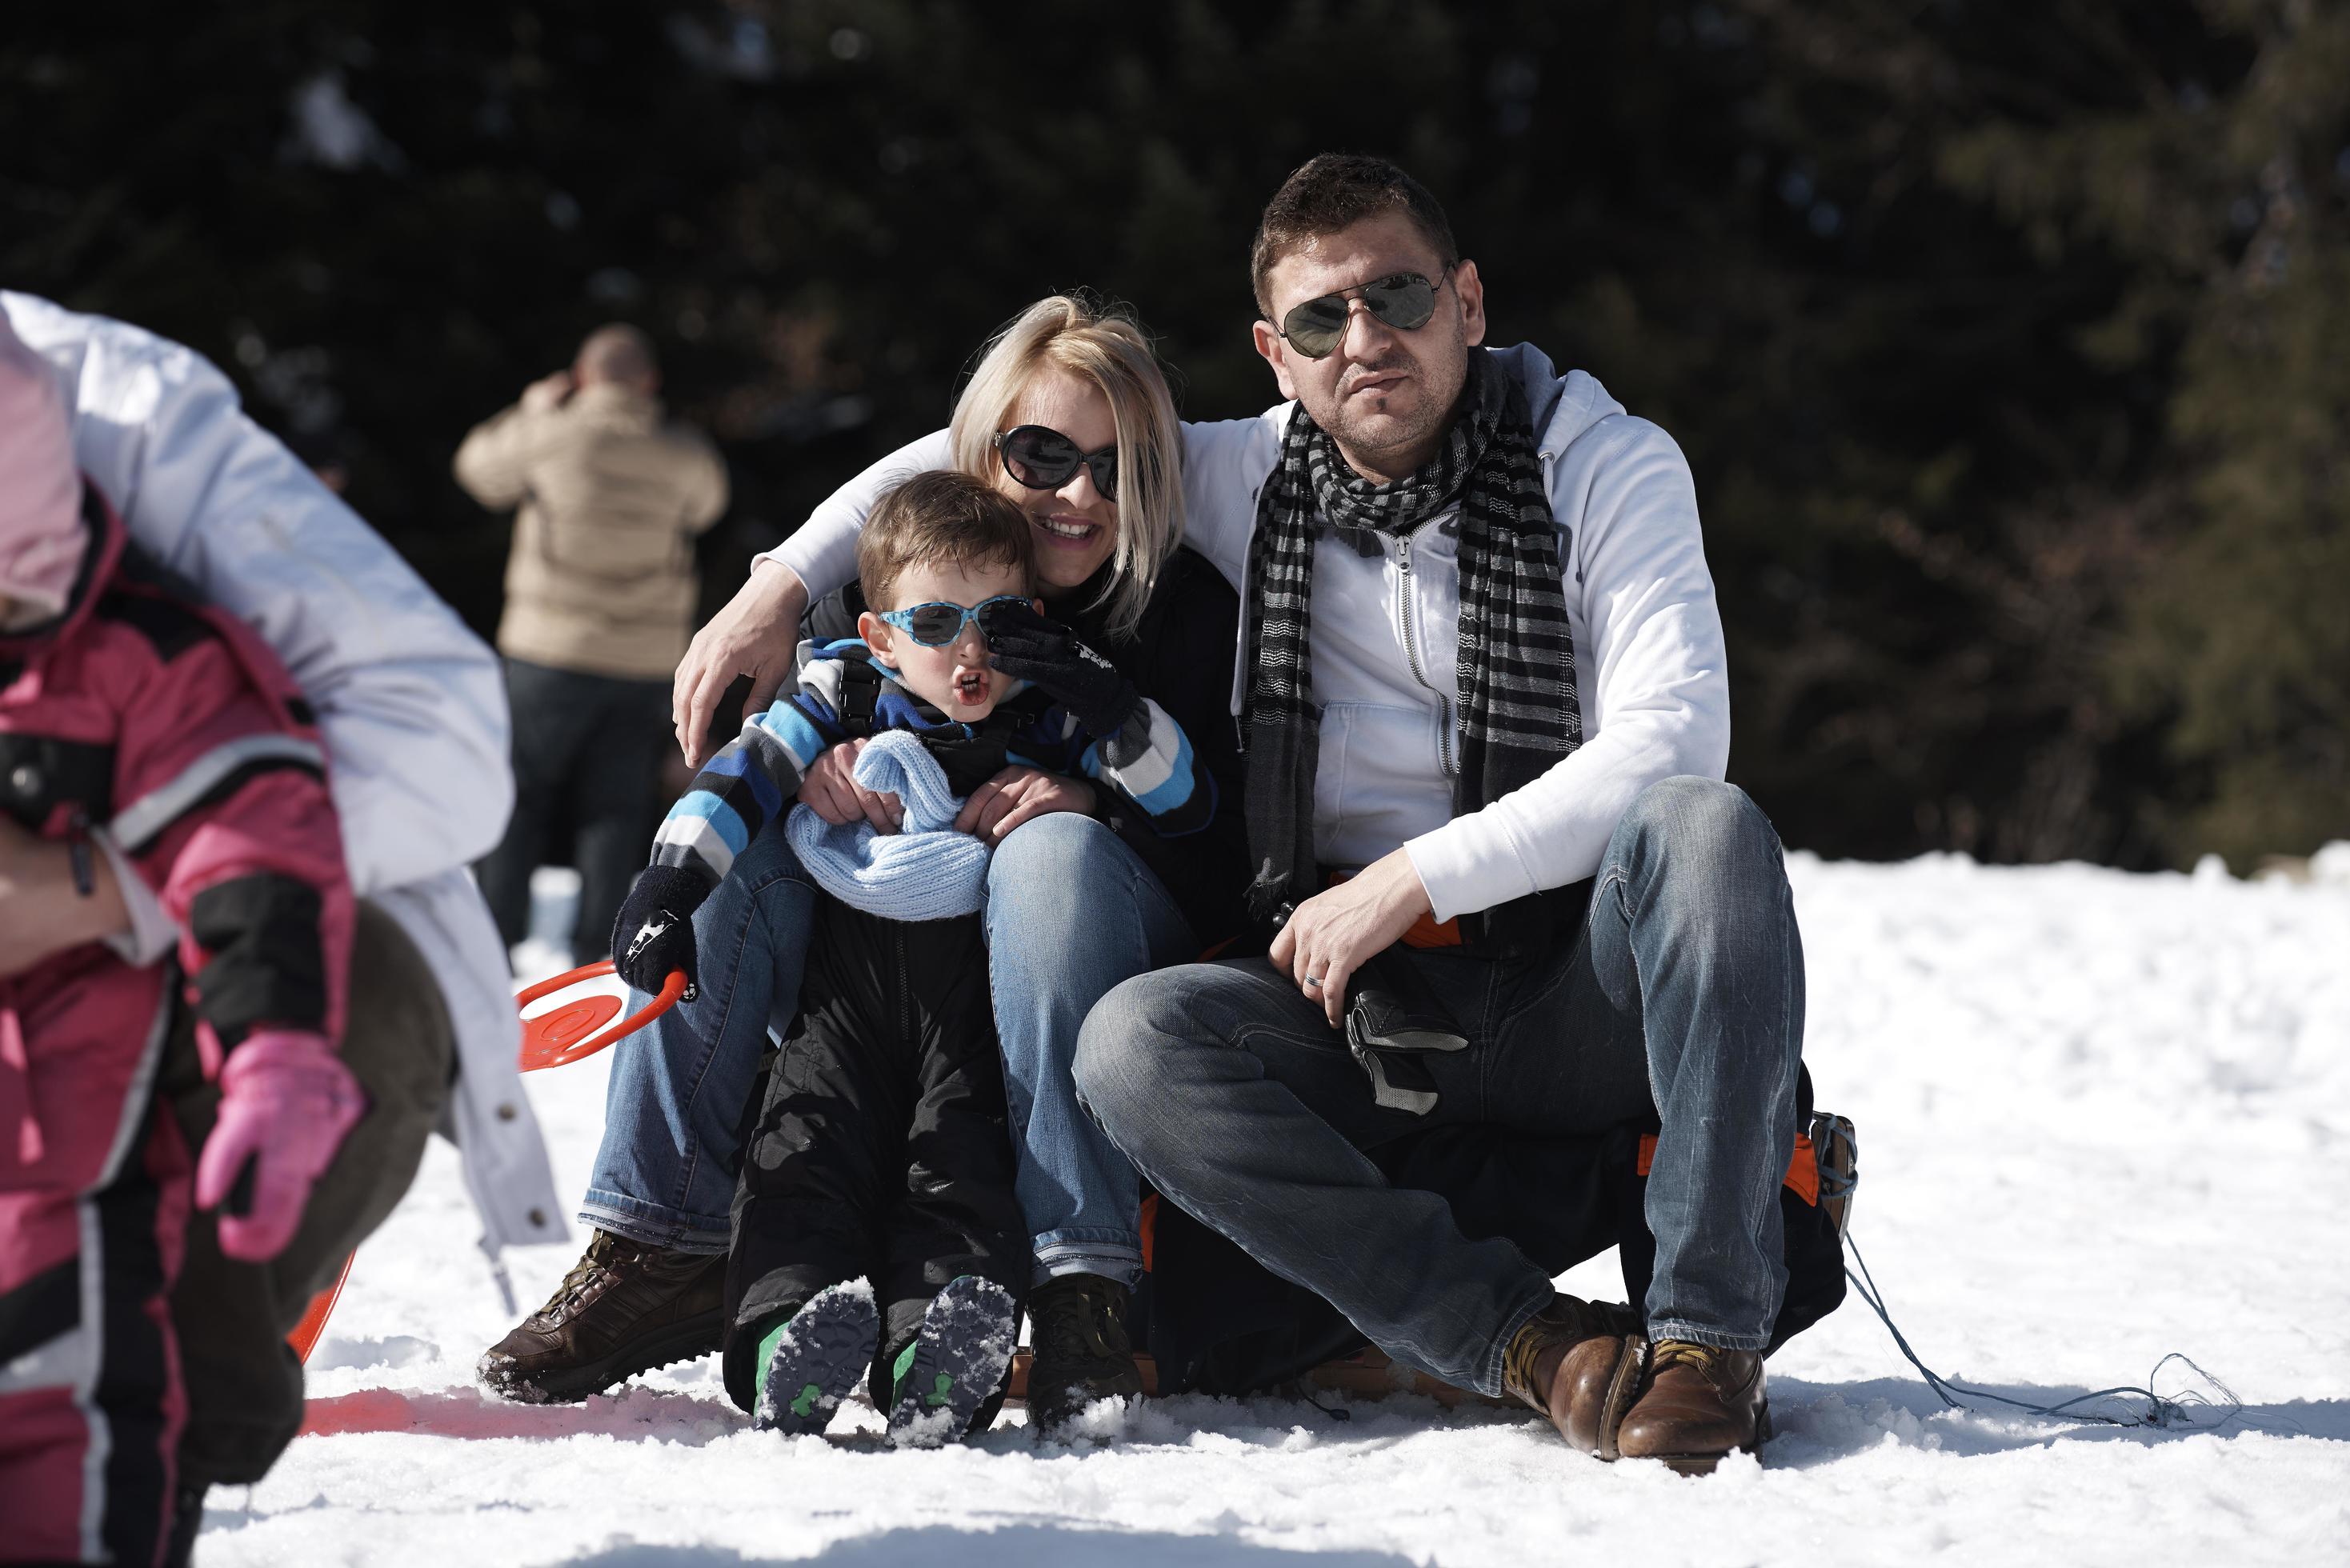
(1696,1404)
(623,1309)
(1577,1361)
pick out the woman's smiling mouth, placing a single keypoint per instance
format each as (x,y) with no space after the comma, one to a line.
(1073,530)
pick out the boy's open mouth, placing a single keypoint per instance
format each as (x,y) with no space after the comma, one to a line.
(971,687)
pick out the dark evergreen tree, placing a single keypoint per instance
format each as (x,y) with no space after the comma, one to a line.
(2007,343)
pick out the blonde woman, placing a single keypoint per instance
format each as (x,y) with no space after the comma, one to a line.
(1068,414)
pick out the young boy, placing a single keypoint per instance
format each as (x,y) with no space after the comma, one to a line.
(874,1222)
(125,711)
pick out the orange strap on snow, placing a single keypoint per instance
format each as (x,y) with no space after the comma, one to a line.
(1802,1170)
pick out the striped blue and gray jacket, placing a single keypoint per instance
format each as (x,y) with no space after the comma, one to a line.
(845,692)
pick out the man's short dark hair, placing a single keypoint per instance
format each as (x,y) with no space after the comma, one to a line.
(1335,192)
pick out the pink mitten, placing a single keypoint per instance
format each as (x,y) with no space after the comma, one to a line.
(286,1100)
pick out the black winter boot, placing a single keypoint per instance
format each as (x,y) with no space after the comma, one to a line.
(1082,1352)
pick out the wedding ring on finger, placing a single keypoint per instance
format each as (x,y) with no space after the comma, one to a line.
(1314,979)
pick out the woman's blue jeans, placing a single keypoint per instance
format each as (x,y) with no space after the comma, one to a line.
(1071,913)
(674,1111)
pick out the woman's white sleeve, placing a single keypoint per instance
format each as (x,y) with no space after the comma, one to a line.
(823,550)
(1226,464)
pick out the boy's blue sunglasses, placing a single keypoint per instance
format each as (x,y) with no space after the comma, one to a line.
(938,623)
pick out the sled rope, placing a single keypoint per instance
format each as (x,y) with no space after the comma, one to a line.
(2162,1413)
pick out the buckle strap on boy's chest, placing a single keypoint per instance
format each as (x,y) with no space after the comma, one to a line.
(860,695)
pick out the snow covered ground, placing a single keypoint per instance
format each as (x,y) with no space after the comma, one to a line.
(2102,1117)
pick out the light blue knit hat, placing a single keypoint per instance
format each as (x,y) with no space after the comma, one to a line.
(925,871)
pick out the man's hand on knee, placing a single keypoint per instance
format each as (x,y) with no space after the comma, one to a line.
(1328,937)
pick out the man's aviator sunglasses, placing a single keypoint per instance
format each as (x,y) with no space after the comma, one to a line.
(938,623)
(1042,458)
(1403,300)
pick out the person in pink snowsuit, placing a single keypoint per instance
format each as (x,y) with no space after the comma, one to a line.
(124,705)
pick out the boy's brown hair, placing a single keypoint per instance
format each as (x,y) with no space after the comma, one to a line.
(1334,191)
(944,518)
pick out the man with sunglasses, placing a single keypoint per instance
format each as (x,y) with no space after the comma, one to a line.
(1485,701)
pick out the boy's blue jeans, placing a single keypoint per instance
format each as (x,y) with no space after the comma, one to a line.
(1683,992)
(1071,912)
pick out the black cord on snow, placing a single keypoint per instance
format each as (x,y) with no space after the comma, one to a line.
(2160,1412)
(1337,1412)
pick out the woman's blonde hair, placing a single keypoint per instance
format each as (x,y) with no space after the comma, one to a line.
(1103,345)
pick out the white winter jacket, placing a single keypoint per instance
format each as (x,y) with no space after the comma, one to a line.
(1650,671)
(411,704)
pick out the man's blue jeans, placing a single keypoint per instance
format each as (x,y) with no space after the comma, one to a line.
(1683,992)
(1071,912)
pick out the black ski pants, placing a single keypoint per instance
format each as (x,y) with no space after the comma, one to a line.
(881,1149)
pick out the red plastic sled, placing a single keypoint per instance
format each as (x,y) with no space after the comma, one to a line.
(562,1035)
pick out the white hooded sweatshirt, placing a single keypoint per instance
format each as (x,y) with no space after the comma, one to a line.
(411,704)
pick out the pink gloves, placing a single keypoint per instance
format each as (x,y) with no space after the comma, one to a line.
(286,1100)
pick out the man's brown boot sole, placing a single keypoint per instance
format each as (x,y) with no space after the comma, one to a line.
(1704,1464)
(689,1341)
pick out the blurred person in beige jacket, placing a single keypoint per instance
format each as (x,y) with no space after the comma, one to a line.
(599,599)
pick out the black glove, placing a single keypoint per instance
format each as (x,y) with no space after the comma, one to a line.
(655,931)
(1393,1020)
(1048,656)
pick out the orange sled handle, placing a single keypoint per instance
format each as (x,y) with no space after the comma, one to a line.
(304,1338)
(569,1033)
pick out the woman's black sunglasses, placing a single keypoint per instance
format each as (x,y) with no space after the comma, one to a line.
(1043,459)
(1404,301)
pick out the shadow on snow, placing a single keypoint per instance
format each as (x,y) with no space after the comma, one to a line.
(1818,1423)
(1014,1547)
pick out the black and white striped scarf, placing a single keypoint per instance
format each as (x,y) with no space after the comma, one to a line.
(1518,712)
